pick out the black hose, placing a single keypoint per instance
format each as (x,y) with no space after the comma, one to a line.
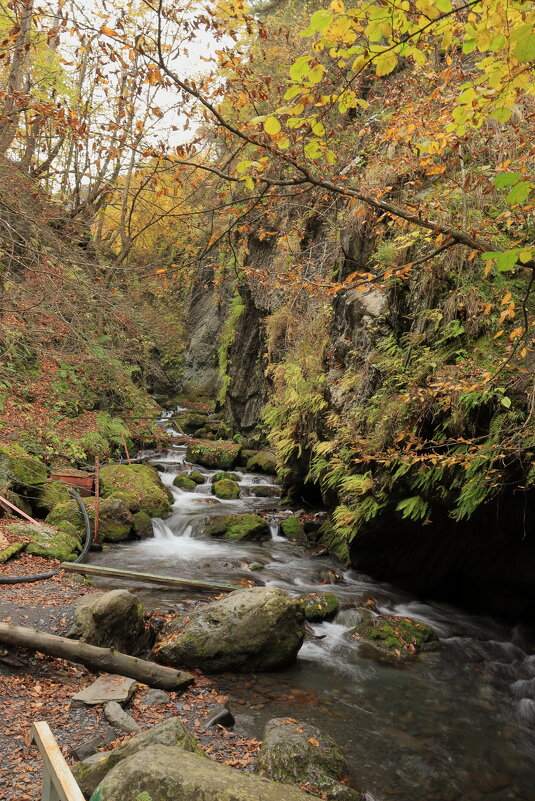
(44,576)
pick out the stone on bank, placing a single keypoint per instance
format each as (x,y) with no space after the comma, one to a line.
(168,773)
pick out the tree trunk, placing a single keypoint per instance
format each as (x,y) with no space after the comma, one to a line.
(95,658)
(10,112)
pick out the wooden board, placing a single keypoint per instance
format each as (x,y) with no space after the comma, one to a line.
(168,581)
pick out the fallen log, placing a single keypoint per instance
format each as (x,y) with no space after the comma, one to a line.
(168,581)
(96,658)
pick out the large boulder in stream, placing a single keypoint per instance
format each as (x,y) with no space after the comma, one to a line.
(168,773)
(218,455)
(171,732)
(293,752)
(238,527)
(226,489)
(139,485)
(110,620)
(389,638)
(248,630)
(262,462)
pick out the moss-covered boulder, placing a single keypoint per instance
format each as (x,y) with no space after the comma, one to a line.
(116,522)
(226,489)
(238,527)
(392,638)
(20,469)
(247,630)
(139,485)
(292,529)
(10,551)
(184,483)
(264,491)
(245,455)
(49,495)
(262,462)
(189,422)
(110,620)
(171,732)
(217,454)
(320,606)
(198,478)
(143,529)
(169,773)
(300,753)
(20,501)
(222,475)
(47,541)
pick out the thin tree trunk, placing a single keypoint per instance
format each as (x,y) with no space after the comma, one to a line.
(8,129)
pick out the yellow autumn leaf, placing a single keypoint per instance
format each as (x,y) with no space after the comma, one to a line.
(272,126)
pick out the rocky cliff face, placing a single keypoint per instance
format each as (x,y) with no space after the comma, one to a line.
(373,402)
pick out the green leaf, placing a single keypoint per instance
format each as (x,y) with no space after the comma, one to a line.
(505,401)
(292,92)
(525,49)
(506,179)
(299,68)
(519,193)
(318,129)
(501,114)
(272,126)
(507,260)
(316,73)
(249,183)
(443,5)
(385,63)
(313,149)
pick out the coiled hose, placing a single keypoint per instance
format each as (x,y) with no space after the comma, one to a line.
(44,576)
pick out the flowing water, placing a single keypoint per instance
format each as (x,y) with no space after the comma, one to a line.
(458,723)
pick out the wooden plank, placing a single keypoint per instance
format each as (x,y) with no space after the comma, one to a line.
(58,781)
(169,581)
(11,507)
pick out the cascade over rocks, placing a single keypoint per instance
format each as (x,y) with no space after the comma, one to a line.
(169,773)
(256,629)
(171,732)
(110,620)
(295,752)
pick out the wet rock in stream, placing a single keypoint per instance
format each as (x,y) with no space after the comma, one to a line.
(300,753)
(253,629)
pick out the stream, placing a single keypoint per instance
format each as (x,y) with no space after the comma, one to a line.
(458,723)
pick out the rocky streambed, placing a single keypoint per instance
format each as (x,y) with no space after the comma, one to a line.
(454,721)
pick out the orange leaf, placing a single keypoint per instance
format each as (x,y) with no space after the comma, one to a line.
(313,741)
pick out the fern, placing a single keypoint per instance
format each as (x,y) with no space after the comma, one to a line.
(413,508)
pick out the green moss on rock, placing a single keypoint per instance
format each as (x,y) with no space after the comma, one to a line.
(143,526)
(292,529)
(221,475)
(238,527)
(393,636)
(184,483)
(47,542)
(189,422)
(116,522)
(218,455)
(263,491)
(226,489)
(320,606)
(198,478)
(262,462)
(10,551)
(50,494)
(21,469)
(139,485)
